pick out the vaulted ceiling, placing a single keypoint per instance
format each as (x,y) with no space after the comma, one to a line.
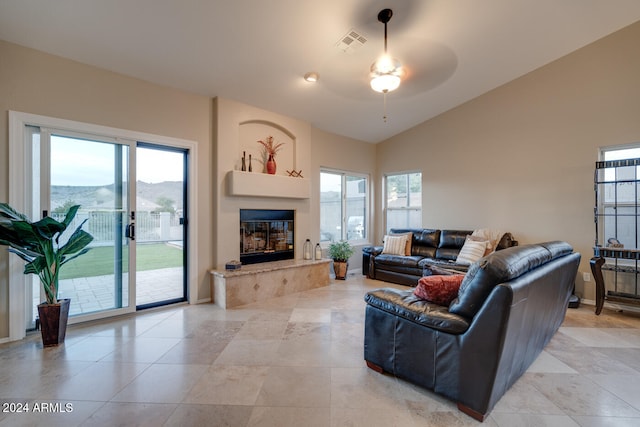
(257,51)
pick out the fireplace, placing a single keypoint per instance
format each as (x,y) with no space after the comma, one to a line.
(266,235)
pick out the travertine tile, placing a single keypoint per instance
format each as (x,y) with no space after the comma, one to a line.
(209,415)
(278,417)
(120,414)
(578,395)
(162,383)
(303,387)
(228,385)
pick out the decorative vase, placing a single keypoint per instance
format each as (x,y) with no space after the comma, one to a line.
(53,322)
(271,165)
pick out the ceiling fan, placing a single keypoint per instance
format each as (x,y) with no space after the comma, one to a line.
(386,72)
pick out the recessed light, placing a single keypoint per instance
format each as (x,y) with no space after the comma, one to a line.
(312,77)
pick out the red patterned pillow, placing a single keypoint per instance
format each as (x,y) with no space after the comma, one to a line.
(439,289)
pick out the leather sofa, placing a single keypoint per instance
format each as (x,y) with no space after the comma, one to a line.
(509,305)
(430,249)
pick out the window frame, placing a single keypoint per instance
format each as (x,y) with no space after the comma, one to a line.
(343,203)
(407,209)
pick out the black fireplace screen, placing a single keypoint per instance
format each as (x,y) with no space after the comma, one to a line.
(266,235)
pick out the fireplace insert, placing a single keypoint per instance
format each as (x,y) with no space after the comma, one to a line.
(266,235)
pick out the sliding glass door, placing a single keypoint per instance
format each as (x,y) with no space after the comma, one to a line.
(138,256)
(93,173)
(161,252)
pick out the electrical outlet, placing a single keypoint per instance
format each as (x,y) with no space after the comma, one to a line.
(586,277)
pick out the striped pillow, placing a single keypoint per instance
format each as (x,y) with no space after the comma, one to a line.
(471,252)
(407,248)
(395,245)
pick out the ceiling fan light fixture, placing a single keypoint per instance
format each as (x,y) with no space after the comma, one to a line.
(386,74)
(385,83)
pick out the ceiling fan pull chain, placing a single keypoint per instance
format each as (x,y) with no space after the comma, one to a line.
(384,98)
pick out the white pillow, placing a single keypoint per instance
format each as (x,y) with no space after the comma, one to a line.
(395,245)
(471,252)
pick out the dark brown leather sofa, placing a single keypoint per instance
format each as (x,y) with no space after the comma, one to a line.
(429,248)
(510,304)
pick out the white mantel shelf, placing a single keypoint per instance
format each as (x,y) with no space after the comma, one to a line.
(264,185)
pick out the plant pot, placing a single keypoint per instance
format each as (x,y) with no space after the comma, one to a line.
(53,322)
(340,269)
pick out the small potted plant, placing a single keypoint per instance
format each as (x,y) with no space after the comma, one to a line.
(340,252)
(38,243)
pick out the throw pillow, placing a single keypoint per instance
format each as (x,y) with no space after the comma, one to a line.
(439,289)
(407,248)
(471,252)
(489,247)
(394,245)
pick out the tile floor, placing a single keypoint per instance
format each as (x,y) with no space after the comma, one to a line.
(297,361)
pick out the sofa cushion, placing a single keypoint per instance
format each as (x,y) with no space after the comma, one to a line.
(453,238)
(425,242)
(405,304)
(557,248)
(440,289)
(497,268)
(471,252)
(399,260)
(395,244)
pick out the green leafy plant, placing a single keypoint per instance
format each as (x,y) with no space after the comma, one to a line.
(340,251)
(38,244)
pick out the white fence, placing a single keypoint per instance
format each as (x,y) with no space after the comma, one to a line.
(149,226)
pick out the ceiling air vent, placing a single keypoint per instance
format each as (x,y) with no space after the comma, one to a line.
(351,41)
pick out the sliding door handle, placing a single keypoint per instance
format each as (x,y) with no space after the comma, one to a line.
(130,231)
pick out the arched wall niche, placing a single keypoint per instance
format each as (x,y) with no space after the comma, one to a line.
(252,131)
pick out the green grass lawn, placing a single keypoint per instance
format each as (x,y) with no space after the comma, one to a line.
(99,260)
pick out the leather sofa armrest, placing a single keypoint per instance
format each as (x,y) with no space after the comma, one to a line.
(373,250)
(368,255)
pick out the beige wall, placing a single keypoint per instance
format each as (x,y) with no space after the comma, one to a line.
(521,158)
(37,83)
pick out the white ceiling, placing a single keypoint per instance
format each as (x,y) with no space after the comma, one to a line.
(256,51)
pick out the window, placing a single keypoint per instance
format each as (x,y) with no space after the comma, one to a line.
(343,206)
(403,203)
(619,197)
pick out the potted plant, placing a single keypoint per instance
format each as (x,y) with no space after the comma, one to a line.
(340,252)
(38,243)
